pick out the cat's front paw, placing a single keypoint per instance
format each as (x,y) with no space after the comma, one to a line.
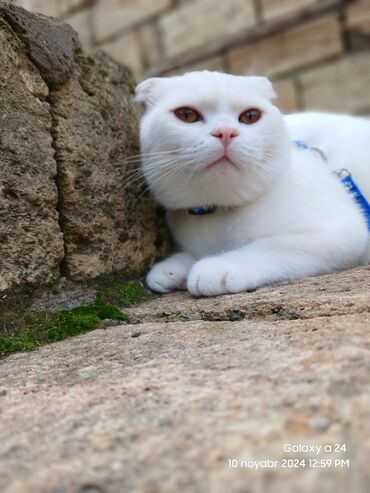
(170,274)
(213,276)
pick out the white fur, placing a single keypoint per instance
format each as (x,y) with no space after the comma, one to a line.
(344,139)
(281,213)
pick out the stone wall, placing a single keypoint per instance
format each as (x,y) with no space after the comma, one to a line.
(68,123)
(317,51)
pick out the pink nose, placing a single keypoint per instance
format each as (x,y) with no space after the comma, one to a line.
(225,134)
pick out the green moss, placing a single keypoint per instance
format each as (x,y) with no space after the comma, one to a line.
(21,342)
(124,294)
(24,329)
(55,289)
(38,328)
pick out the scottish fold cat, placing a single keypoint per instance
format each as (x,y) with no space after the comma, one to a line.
(245,205)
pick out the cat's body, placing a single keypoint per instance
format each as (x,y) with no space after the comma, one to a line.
(280,212)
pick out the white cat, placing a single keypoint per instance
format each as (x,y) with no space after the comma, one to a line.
(245,205)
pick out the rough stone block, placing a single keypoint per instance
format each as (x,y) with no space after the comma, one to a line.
(112,16)
(50,43)
(213,64)
(274,10)
(69,123)
(342,86)
(358,24)
(31,244)
(287,100)
(82,24)
(108,226)
(148,37)
(52,7)
(46,7)
(126,50)
(358,15)
(288,50)
(200,24)
(67,6)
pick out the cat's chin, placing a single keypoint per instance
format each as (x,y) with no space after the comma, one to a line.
(223,162)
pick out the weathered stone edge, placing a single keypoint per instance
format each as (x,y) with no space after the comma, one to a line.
(54,49)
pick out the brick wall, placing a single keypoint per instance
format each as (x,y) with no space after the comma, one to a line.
(316,51)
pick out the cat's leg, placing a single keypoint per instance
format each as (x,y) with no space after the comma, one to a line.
(170,274)
(274,259)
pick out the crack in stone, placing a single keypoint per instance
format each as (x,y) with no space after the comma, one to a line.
(63,266)
(53,72)
(272,313)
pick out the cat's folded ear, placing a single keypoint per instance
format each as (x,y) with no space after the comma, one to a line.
(149,90)
(263,86)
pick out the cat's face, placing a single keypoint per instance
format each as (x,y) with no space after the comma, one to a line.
(209,138)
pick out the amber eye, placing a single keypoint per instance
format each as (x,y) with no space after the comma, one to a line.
(250,116)
(188,115)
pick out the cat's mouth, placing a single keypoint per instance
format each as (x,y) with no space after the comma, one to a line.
(223,161)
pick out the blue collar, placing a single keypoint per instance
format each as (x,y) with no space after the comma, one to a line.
(202,210)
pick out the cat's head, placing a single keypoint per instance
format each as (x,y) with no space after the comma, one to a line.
(210,138)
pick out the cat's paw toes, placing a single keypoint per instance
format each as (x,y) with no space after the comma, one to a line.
(163,280)
(210,277)
(169,275)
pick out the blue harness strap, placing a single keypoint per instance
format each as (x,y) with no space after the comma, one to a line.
(347,181)
(301,144)
(357,196)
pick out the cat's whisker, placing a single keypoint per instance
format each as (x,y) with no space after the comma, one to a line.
(133,182)
(172,164)
(133,176)
(140,157)
(163,177)
(159,172)
(154,153)
(153,164)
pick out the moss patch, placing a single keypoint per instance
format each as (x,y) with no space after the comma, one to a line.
(55,289)
(124,295)
(36,328)
(23,328)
